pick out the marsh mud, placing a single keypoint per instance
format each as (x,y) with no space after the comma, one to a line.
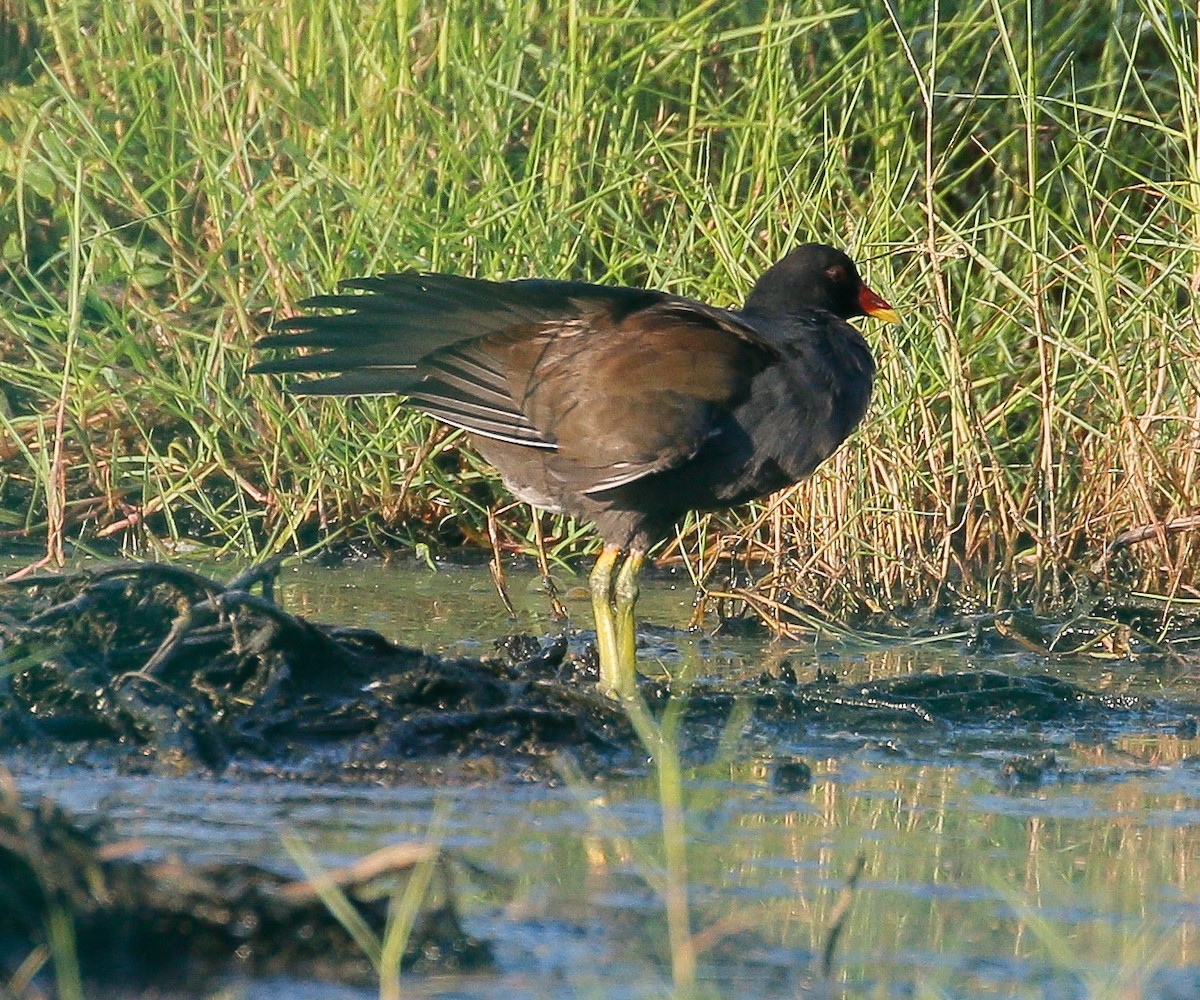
(981,776)
(165,922)
(155,666)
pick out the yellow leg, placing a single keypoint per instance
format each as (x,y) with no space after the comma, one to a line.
(626,592)
(606,627)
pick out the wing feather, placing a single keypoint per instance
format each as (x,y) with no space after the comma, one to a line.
(612,384)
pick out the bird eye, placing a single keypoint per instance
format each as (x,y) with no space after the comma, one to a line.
(836,273)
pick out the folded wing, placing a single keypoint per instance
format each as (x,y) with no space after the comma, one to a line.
(567,368)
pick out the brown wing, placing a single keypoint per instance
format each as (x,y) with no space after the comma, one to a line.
(624,398)
(611,383)
(421,335)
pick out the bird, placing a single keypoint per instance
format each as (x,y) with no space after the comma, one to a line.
(625,407)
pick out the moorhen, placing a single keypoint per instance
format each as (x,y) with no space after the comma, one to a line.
(623,406)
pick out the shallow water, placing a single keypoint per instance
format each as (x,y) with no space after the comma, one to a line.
(1085,886)
(455,609)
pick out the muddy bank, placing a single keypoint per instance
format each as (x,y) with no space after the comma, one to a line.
(71,893)
(152,668)
(156,667)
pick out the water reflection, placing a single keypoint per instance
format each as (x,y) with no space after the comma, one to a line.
(1082,886)
(967,888)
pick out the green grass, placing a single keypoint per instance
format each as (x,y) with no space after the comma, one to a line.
(1021,179)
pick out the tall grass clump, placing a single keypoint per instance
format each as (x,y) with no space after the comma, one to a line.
(1021,179)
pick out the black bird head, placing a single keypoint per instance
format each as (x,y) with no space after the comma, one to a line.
(816,276)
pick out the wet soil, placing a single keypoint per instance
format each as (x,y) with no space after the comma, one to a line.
(145,668)
(158,667)
(168,923)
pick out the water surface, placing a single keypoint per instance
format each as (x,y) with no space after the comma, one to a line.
(1086,885)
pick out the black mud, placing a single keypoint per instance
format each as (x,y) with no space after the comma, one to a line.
(167,924)
(155,667)
(148,667)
